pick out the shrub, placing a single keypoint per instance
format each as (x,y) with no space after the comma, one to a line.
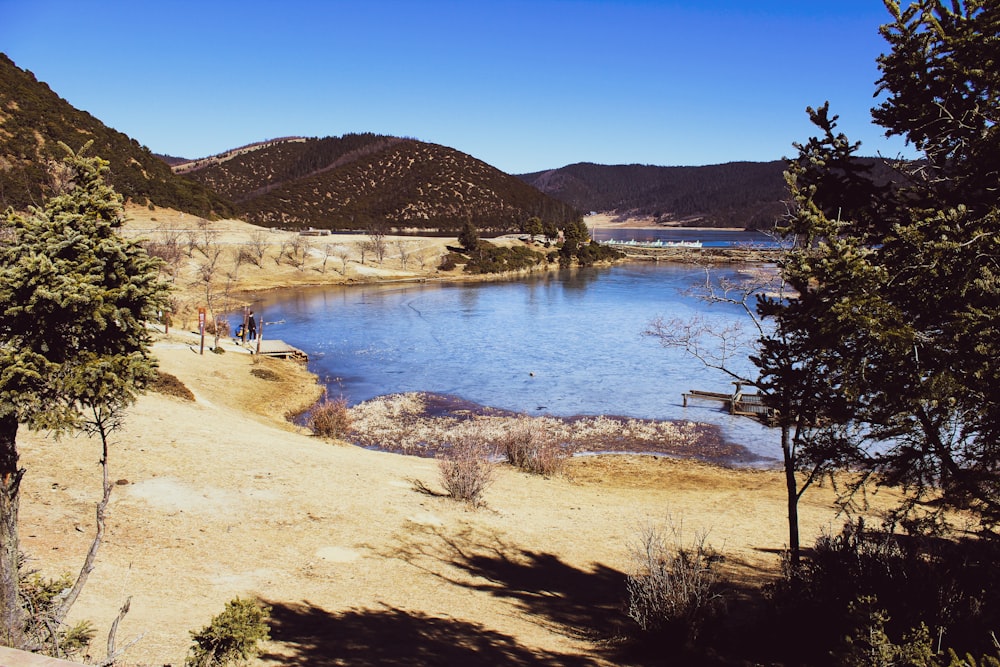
(450,261)
(165,383)
(466,469)
(672,589)
(39,598)
(532,450)
(232,636)
(330,418)
(949,585)
(869,645)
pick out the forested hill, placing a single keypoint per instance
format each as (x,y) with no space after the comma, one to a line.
(352,181)
(737,194)
(33,120)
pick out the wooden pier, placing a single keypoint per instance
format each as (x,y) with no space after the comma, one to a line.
(739,403)
(276,348)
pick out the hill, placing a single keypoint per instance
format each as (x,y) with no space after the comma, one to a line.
(34,119)
(737,194)
(357,180)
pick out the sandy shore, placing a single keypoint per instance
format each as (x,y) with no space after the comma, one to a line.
(222,497)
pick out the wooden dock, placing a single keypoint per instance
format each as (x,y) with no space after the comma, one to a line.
(739,403)
(268,347)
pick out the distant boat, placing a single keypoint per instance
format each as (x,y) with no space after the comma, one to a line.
(632,243)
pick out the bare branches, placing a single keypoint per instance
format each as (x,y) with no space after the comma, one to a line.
(717,346)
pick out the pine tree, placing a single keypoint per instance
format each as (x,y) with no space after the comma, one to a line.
(469,236)
(899,291)
(74,300)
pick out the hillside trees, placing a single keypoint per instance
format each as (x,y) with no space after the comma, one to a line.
(899,302)
(74,349)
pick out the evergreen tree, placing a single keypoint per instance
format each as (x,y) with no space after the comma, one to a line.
(469,237)
(899,292)
(74,299)
(533,227)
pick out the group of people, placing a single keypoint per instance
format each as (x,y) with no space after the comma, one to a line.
(248,331)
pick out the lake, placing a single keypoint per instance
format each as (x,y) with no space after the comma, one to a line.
(562,344)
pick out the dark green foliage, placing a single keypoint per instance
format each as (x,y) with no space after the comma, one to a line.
(233,637)
(944,81)
(40,597)
(533,227)
(450,261)
(881,587)
(74,300)
(899,306)
(35,120)
(495,259)
(347,182)
(593,253)
(468,237)
(74,347)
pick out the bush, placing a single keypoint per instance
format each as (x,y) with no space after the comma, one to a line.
(532,450)
(466,469)
(902,582)
(165,383)
(495,259)
(870,646)
(450,261)
(672,589)
(232,636)
(39,598)
(330,418)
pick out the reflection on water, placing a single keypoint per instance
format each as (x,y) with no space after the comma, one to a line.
(561,344)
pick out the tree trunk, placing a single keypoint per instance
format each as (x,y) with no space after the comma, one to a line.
(60,612)
(791,488)
(11,614)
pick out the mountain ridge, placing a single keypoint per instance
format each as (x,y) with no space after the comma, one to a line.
(34,120)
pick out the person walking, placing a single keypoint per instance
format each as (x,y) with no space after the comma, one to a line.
(251,327)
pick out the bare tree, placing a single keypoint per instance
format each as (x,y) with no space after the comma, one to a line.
(364,248)
(283,249)
(403,248)
(327,251)
(168,248)
(725,348)
(299,252)
(376,239)
(258,246)
(190,241)
(343,253)
(239,257)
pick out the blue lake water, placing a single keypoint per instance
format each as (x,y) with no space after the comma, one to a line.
(561,344)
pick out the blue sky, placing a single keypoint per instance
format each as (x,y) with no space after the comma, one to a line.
(522,85)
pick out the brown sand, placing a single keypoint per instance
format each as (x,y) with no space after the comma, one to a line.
(222,497)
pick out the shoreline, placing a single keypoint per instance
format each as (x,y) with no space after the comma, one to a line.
(218,495)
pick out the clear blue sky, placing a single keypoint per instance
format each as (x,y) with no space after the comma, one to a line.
(522,85)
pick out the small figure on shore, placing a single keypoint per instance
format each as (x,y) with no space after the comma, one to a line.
(251,327)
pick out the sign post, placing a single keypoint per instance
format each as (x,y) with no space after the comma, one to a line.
(201,329)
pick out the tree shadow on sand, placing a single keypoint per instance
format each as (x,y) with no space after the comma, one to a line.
(390,636)
(586,603)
